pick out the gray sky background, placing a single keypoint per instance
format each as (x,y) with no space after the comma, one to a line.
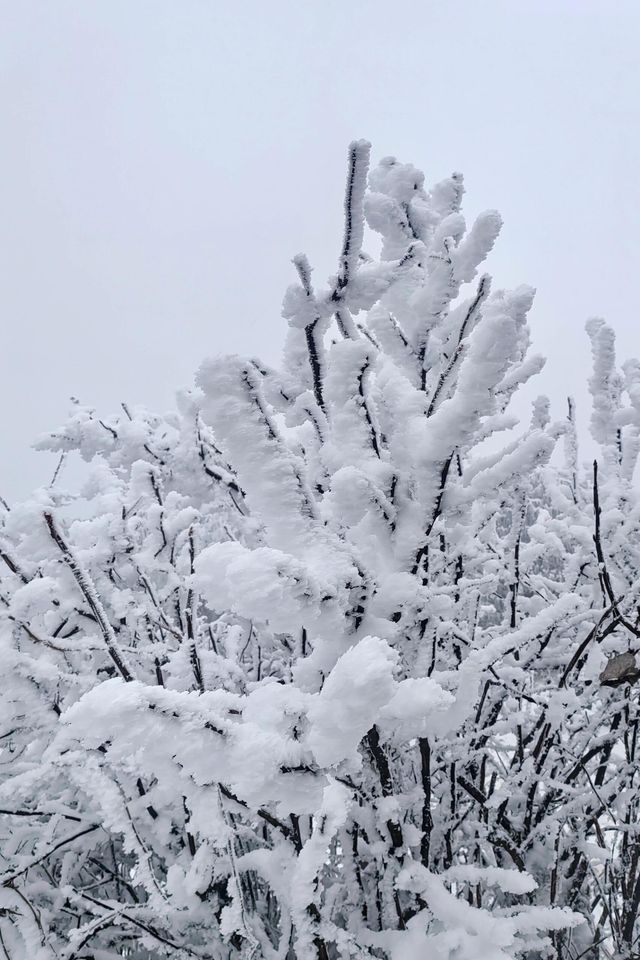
(162,161)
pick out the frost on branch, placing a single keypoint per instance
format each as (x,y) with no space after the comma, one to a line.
(336,660)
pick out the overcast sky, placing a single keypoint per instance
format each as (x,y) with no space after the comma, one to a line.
(163,160)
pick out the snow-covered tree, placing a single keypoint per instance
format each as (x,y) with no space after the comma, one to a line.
(336,660)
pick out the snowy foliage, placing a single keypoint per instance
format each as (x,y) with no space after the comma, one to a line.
(331,662)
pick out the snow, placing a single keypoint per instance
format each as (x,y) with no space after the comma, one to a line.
(311,666)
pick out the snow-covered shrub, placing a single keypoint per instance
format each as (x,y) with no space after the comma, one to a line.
(319,666)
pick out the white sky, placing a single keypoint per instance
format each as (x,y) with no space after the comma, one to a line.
(162,160)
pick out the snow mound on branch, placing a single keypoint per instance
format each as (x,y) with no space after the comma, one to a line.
(410,712)
(359,685)
(263,584)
